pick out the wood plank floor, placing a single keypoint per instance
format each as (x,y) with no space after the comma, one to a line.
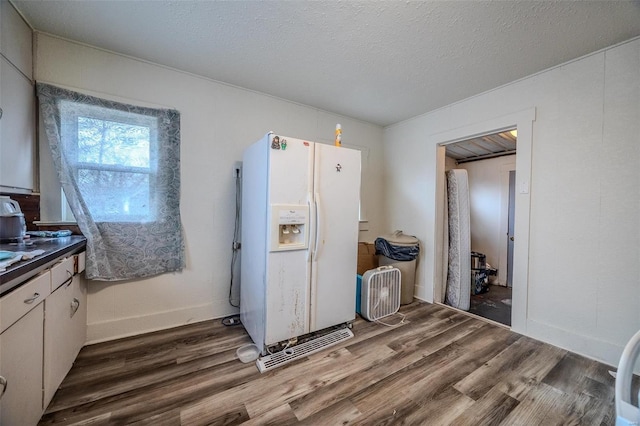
(440,367)
(494,304)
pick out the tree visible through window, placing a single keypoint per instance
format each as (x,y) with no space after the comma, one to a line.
(114,169)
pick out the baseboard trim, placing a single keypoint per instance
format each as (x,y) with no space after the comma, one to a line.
(118,328)
(590,347)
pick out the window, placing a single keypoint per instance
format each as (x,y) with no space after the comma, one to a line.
(113,155)
(119,168)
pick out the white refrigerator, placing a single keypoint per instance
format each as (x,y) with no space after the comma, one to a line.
(300,212)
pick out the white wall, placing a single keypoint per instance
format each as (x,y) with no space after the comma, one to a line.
(489,200)
(217,122)
(583,289)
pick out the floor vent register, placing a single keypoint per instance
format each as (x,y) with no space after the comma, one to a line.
(285,356)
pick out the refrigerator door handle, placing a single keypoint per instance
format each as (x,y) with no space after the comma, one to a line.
(312,224)
(318,235)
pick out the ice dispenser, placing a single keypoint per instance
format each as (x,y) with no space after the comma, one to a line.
(289,227)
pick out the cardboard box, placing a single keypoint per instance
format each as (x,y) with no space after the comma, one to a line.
(367,258)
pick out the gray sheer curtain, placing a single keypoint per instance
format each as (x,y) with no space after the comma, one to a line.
(119,167)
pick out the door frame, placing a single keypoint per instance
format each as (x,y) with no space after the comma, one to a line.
(523,122)
(511,215)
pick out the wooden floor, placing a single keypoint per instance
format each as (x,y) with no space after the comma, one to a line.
(440,367)
(494,304)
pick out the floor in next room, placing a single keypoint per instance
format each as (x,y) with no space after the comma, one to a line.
(494,304)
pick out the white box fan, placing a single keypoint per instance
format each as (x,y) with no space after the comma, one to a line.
(380,293)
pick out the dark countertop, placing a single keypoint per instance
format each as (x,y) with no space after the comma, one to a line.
(54,249)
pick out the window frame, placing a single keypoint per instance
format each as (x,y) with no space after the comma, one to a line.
(70,113)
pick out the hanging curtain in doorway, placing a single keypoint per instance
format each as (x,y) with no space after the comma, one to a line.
(458,292)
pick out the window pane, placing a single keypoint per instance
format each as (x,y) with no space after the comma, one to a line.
(109,143)
(116,196)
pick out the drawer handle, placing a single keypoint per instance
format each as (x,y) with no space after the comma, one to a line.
(3,382)
(69,280)
(75,305)
(32,298)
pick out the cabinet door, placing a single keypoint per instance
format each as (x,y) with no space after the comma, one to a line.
(18,118)
(15,41)
(3,380)
(64,332)
(21,348)
(1,103)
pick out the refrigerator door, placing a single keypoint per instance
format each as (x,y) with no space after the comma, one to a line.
(337,205)
(254,245)
(288,272)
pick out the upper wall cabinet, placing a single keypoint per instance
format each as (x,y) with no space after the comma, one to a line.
(17,131)
(16,39)
(17,100)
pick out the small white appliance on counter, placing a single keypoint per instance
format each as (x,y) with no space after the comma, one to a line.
(300,212)
(12,223)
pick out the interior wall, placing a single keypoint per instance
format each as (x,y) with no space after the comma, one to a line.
(488,208)
(450,163)
(584,213)
(217,122)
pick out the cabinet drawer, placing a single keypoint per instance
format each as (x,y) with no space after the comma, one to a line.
(62,273)
(20,301)
(65,331)
(80,262)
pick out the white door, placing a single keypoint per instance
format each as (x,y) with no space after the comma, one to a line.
(337,202)
(288,274)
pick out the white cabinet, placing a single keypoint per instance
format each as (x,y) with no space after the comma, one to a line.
(65,331)
(16,39)
(17,100)
(62,272)
(16,304)
(43,325)
(80,262)
(21,346)
(17,151)
(1,112)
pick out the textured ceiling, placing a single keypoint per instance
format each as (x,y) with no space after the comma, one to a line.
(381,62)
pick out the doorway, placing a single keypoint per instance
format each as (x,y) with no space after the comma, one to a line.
(523,122)
(488,162)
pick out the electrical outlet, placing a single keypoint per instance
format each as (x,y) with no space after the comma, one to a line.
(237,169)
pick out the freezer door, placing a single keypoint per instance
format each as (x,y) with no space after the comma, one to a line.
(254,245)
(337,205)
(288,272)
